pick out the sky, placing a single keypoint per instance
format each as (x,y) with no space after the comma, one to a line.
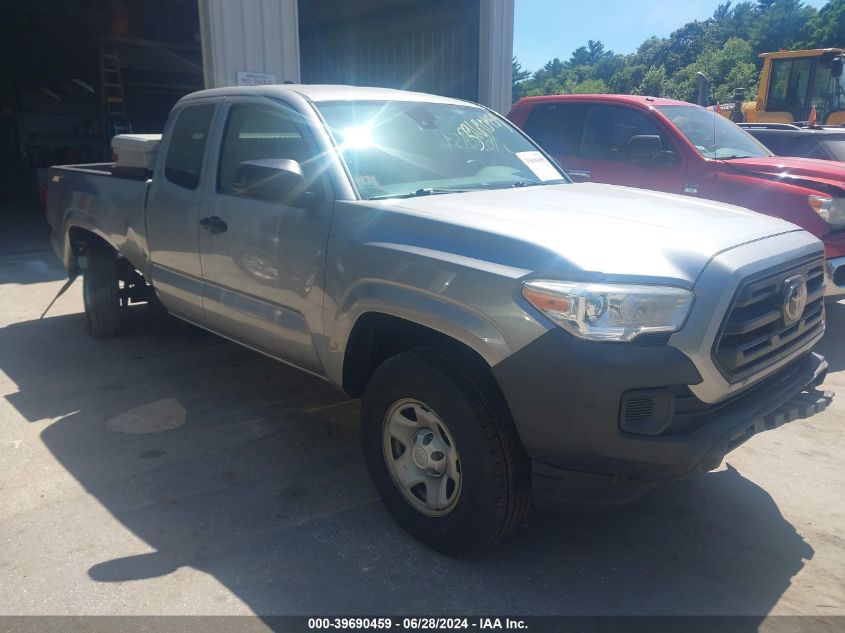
(545,29)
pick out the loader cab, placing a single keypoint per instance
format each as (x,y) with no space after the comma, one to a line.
(793,82)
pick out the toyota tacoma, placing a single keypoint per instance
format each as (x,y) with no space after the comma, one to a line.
(512,335)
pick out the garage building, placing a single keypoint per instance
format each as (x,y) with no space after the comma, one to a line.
(85,70)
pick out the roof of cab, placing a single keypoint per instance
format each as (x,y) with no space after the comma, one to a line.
(316,92)
(630,99)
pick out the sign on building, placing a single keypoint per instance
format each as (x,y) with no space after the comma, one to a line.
(255,79)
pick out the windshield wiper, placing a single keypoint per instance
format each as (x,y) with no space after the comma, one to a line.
(519,183)
(431,191)
(534,183)
(426,191)
(732,157)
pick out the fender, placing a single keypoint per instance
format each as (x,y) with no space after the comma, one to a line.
(68,256)
(460,322)
(832,187)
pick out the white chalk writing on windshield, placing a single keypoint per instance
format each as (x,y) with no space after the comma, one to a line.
(475,134)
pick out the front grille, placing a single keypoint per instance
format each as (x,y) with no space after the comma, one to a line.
(755,333)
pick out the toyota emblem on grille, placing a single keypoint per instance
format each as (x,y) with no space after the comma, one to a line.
(794,298)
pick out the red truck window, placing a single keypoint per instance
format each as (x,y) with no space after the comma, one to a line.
(557,127)
(595,131)
(608,129)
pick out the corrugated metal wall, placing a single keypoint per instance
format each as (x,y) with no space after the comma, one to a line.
(249,35)
(427,46)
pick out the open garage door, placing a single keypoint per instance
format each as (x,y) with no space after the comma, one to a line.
(429,46)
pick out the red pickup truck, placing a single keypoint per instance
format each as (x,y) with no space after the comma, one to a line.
(677,147)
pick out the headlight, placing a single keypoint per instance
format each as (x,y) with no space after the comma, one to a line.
(832,210)
(610,312)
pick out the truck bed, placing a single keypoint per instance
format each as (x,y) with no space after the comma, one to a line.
(95,198)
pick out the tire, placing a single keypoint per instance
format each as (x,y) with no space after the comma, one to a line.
(101,294)
(491,493)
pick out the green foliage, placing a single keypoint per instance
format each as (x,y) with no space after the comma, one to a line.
(725,47)
(654,82)
(827,28)
(590,86)
(519,75)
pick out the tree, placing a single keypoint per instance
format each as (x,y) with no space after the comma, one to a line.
(519,75)
(627,79)
(781,24)
(827,28)
(727,68)
(606,67)
(590,86)
(580,57)
(725,46)
(654,82)
(651,52)
(685,44)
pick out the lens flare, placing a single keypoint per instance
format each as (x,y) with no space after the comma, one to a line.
(357,137)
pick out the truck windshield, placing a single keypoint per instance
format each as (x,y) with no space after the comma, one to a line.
(713,135)
(403,149)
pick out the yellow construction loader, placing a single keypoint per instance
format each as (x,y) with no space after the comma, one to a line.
(795,87)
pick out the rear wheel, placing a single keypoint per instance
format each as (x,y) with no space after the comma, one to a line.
(101,294)
(443,452)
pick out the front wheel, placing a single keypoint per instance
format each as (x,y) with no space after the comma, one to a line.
(442,451)
(101,294)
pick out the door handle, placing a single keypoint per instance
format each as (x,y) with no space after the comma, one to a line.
(213,224)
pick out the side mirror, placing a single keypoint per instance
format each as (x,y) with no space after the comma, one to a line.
(274,180)
(836,67)
(644,146)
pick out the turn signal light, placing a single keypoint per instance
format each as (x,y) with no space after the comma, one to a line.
(549,303)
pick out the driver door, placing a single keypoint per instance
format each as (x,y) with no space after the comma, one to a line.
(603,152)
(262,259)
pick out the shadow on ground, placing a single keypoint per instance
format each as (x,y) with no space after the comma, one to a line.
(832,346)
(24,229)
(223,460)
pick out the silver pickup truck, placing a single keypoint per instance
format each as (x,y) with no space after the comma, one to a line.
(512,335)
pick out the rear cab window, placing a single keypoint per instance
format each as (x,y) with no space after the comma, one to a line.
(557,127)
(186,147)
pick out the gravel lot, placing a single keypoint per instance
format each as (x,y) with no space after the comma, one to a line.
(172,472)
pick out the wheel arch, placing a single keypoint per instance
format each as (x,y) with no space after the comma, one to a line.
(379,335)
(80,240)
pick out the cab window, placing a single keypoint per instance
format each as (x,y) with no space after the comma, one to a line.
(186,148)
(557,127)
(607,130)
(256,132)
(788,87)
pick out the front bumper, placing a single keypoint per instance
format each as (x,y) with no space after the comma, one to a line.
(835,278)
(569,422)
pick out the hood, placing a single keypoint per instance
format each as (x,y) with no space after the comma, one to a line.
(828,172)
(610,231)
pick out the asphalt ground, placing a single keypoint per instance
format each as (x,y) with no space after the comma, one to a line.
(171,472)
